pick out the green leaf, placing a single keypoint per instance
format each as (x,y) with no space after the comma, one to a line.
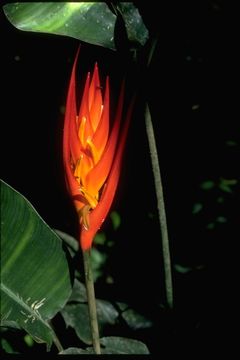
(221,219)
(135,320)
(136,30)
(225,184)
(91,22)
(70,241)
(73,350)
(35,280)
(98,259)
(197,207)
(116,219)
(7,347)
(28,340)
(207,185)
(182,269)
(225,187)
(76,316)
(100,238)
(120,345)
(113,345)
(231,143)
(79,293)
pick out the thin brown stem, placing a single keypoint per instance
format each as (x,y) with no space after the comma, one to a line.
(91,301)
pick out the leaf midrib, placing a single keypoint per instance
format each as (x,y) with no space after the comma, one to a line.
(24,305)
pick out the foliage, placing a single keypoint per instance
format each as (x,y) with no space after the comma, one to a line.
(42,291)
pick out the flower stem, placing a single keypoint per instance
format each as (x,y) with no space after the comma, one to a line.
(91,301)
(161,206)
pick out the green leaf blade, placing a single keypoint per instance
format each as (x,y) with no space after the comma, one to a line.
(136,30)
(86,21)
(35,280)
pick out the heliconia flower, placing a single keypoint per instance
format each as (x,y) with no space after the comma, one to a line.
(92,151)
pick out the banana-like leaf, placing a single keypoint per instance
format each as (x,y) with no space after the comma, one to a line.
(35,279)
(91,22)
(87,21)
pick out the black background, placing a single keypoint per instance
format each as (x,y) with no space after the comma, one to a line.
(194,64)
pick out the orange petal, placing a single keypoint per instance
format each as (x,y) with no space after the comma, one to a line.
(95,99)
(97,176)
(70,113)
(101,134)
(84,113)
(98,215)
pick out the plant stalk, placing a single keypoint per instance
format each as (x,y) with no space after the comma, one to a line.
(160,206)
(57,343)
(91,301)
(55,337)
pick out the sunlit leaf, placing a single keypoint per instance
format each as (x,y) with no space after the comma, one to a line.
(35,280)
(91,22)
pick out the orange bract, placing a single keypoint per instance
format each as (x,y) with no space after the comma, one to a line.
(92,153)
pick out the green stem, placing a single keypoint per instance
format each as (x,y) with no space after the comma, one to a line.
(91,301)
(57,342)
(55,338)
(161,206)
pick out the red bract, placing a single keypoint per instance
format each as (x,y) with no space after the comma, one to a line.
(92,152)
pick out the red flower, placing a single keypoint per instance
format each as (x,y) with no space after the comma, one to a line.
(92,152)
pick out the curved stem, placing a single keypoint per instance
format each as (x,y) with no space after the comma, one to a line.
(91,301)
(161,206)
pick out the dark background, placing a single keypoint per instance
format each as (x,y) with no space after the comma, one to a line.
(191,91)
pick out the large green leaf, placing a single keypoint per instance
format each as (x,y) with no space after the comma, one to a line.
(92,22)
(77,316)
(35,280)
(87,21)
